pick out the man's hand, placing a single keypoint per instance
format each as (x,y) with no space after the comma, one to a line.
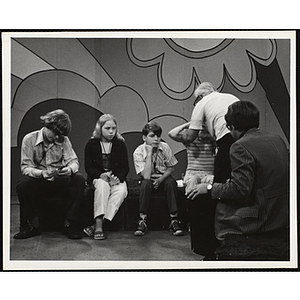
(199,189)
(207,179)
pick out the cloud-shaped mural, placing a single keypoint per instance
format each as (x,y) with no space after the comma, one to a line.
(192,61)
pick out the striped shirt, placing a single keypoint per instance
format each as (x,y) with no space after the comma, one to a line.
(36,156)
(200,156)
(163,160)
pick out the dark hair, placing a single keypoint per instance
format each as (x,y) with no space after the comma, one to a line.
(152,126)
(243,115)
(57,121)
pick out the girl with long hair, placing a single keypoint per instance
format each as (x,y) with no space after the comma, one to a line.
(106,165)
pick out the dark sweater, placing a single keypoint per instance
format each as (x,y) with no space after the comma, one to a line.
(94,162)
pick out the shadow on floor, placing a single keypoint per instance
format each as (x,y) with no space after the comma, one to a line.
(119,246)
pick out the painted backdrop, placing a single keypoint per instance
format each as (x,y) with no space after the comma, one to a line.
(141,79)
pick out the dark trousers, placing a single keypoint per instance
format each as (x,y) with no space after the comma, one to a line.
(168,187)
(222,161)
(201,210)
(31,192)
(201,214)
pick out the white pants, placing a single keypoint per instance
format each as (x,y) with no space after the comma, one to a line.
(193,178)
(107,200)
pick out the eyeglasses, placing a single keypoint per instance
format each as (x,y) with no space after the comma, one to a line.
(229,127)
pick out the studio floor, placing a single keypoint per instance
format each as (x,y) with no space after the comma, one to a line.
(118,246)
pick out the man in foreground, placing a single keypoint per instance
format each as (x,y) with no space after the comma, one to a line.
(256,197)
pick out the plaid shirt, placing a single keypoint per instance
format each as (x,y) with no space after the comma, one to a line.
(163,160)
(35,157)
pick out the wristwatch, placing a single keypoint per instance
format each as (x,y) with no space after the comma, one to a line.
(209,188)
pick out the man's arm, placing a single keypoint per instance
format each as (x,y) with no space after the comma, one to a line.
(189,135)
(177,133)
(238,188)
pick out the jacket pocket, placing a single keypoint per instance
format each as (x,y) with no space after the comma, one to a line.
(247,212)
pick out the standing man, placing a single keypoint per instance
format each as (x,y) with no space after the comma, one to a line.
(256,197)
(211,107)
(49,164)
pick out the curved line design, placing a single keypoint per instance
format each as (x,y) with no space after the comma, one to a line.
(48,71)
(169,115)
(194,79)
(130,88)
(198,54)
(247,88)
(158,60)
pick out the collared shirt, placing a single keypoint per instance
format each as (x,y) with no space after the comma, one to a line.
(163,160)
(36,156)
(211,111)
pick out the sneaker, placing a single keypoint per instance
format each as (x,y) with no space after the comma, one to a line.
(175,228)
(141,229)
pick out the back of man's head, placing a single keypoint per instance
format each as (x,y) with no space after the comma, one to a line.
(205,88)
(243,115)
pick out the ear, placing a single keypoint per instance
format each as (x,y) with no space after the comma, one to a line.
(144,138)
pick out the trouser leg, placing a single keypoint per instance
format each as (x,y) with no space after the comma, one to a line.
(29,191)
(201,215)
(222,166)
(101,196)
(170,190)
(145,195)
(75,191)
(117,195)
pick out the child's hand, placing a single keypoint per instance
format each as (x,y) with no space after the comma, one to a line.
(114,180)
(47,174)
(105,176)
(156,183)
(65,171)
(148,149)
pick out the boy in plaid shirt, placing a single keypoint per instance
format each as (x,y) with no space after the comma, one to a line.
(155,162)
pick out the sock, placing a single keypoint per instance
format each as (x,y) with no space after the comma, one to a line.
(67,223)
(173,216)
(143,216)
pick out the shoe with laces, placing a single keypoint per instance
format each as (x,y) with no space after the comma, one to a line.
(141,229)
(175,228)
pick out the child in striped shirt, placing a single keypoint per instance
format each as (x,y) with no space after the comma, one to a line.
(200,156)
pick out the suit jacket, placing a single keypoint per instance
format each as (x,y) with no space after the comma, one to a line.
(94,162)
(256,199)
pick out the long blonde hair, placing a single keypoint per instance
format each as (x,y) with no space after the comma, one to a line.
(97,133)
